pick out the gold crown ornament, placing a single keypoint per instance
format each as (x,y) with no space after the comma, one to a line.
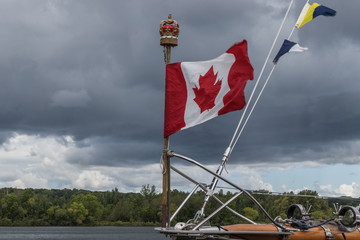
(169,32)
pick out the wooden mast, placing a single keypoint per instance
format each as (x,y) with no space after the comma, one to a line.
(169,31)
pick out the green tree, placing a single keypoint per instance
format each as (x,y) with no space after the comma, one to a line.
(251,213)
(150,205)
(10,207)
(58,216)
(122,212)
(92,205)
(78,212)
(27,202)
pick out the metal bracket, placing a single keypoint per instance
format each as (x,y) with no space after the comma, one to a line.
(337,208)
(169,153)
(210,192)
(328,234)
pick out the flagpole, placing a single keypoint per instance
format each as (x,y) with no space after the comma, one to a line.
(169,31)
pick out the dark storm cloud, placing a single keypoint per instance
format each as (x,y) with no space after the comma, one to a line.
(310,103)
(95,70)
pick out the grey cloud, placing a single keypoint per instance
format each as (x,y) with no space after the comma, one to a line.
(66,98)
(94,70)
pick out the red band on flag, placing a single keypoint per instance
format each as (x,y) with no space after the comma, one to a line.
(175,90)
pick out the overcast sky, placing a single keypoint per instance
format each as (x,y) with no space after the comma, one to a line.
(82,95)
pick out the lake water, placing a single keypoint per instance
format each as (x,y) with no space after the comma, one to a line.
(88,233)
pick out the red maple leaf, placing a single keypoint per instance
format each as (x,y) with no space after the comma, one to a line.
(206,94)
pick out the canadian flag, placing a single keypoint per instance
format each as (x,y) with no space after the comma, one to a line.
(199,91)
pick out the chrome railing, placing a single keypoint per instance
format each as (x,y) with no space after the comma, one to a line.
(209,192)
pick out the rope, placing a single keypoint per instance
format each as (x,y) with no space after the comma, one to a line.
(343,234)
(163,170)
(232,143)
(253,107)
(257,99)
(302,224)
(237,132)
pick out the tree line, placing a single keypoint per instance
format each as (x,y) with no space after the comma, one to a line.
(70,207)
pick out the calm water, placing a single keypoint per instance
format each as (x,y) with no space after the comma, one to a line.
(88,233)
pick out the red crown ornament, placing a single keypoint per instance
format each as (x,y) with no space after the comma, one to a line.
(169,32)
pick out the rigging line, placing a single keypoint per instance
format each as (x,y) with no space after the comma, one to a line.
(292,31)
(246,120)
(260,75)
(252,109)
(239,134)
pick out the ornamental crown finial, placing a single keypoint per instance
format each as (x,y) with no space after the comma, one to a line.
(169,32)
